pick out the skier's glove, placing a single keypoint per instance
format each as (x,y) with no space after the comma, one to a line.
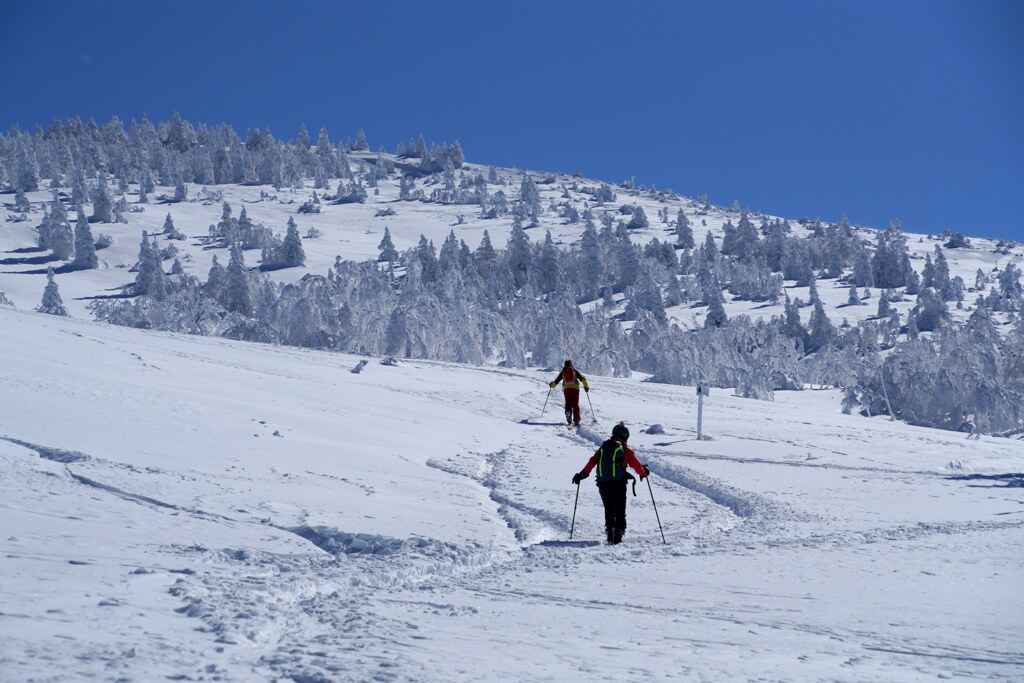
(647,471)
(578,477)
(553,384)
(586,389)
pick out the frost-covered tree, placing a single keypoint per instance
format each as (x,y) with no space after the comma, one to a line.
(1010,288)
(519,255)
(150,279)
(639,219)
(52,303)
(360,145)
(821,332)
(930,312)
(529,200)
(853,299)
(291,253)
(791,325)
(388,253)
(890,260)
(237,294)
(85,247)
(684,233)
(171,232)
(102,206)
(863,274)
(748,245)
(62,239)
(549,274)
(884,309)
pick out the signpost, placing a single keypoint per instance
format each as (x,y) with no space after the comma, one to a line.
(702,391)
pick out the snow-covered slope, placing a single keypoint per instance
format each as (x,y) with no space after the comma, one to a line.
(193,508)
(353,232)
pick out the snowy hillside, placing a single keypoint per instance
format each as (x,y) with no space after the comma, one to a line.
(194,508)
(336,247)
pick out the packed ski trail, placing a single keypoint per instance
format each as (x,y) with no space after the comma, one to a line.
(196,508)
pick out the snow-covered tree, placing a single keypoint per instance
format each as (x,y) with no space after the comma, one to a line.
(62,239)
(237,294)
(388,253)
(890,260)
(360,145)
(52,303)
(150,279)
(85,247)
(684,233)
(292,254)
(821,332)
(102,206)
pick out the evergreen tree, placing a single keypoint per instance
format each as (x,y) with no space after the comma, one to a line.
(448,258)
(639,219)
(791,325)
(821,332)
(863,274)
(549,275)
(890,260)
(292,254)
(748,244)
(884,309)
(52,303)
(62,240)
(85,247)
(529,200)
(930,312)
(171,232)
(101,203)
(360,145)
(518,256)
(237,295)
(150,278)
(684,233)
(426,254)
(716,311)
(853,299)
(388,253)
(216,280)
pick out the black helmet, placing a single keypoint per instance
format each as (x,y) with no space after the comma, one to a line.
(568,363)
(620,431)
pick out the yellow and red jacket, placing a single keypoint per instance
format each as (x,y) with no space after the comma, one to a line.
(570,378)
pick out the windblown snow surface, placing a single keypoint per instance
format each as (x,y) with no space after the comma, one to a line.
(188,508)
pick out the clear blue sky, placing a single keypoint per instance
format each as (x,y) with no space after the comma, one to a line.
(888,109)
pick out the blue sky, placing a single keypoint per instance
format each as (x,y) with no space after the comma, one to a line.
(881,110)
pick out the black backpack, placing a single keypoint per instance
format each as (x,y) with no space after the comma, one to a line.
(611,462)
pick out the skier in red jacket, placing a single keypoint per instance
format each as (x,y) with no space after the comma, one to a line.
(611,460)
(571,378)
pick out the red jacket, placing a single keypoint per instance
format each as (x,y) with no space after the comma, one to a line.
(629,459)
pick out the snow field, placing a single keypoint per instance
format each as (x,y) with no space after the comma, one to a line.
(405,525)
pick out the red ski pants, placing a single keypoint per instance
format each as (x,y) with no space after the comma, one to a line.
(572,403)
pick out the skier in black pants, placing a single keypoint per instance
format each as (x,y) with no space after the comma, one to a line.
(611,460)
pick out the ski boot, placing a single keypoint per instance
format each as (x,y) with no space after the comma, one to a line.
(617,536)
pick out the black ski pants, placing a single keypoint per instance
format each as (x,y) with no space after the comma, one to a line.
(613,495)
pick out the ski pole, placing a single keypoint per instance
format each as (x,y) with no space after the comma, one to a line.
(593,415)
(573,527)
(545,402)
(648,478)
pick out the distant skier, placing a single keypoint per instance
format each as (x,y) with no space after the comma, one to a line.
(571,378)
(611,460)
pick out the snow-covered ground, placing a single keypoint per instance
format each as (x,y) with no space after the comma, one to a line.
(190,508)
